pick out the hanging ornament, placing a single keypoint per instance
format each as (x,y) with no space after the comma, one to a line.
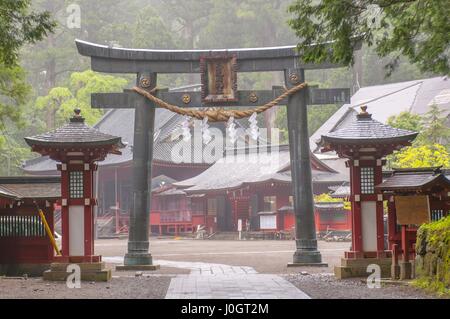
(231,128)
(206,134)
(254,129)
(186,129)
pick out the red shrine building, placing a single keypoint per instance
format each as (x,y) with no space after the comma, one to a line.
(364,143)
(24,243)
(253,188)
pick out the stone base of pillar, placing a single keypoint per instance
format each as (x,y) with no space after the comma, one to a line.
(357,267)
(406,270)
(136,261)
(395,272)
(307,258)
(137,267)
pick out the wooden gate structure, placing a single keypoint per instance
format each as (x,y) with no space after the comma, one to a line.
(218,69)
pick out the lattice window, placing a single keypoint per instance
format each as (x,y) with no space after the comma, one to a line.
(76,184)
(367,180)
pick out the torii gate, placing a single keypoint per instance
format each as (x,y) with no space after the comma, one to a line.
(148,63)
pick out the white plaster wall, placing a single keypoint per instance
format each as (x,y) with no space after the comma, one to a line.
(76,230)
(369,225)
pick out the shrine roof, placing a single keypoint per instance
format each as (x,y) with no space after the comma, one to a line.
(390,99)
(365,130)
(340,191)
(30,187)
(171,192)
(120,122)
(414,179)
(329,205)
(242,169)
(161,181)
(75,133)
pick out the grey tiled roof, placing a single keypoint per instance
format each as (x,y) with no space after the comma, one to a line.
(120,122)
(329,205)
(341,191)
(76,132)
(235,171)
(390,99)
(365,129)
(413,179)
(30,187)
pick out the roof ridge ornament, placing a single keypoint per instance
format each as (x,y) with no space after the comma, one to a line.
(77,118)
(364,114)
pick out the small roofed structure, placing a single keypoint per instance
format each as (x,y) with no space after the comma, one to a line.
(75,137)
(366,136)
(414,196)
(77,146)
(24,243)
(365,142)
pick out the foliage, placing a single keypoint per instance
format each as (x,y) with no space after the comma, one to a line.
(422,156)
(406,121)
(332,30)
(162,37)
(13,92)
(326,198)
(433,257)
(18,26)
(436,129)
(430,147)
(317,115)
(59,104)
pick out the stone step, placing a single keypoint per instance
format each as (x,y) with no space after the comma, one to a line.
(84,266)
(342,272)
(364,262)
(225,236)
(102,275)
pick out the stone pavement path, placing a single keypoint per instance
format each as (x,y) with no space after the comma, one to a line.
(218,281)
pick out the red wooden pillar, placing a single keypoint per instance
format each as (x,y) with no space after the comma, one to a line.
(355,178)
(392,222)
(64,210)
(378,178)
(88,180)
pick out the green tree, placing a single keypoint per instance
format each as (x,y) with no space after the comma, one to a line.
(422,156)
(436,130)
(18,26)
(317,115)
(406,121)
(59,104)
(149,23)
(332,30)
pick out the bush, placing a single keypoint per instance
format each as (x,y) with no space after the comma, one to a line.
(433,256)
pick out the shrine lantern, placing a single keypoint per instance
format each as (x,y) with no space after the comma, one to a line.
(365,142)
(77,147)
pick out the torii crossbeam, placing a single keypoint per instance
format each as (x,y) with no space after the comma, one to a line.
(148,63)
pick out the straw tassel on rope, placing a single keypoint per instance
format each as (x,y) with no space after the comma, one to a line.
(217,114)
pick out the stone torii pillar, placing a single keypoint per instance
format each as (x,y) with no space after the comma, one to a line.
(306,253)
(147,63)
(138,256)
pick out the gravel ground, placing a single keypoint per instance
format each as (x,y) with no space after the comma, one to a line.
(266,257)
(144,287)
(325,286)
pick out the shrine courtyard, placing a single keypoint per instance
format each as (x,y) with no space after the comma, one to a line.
(194,267)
